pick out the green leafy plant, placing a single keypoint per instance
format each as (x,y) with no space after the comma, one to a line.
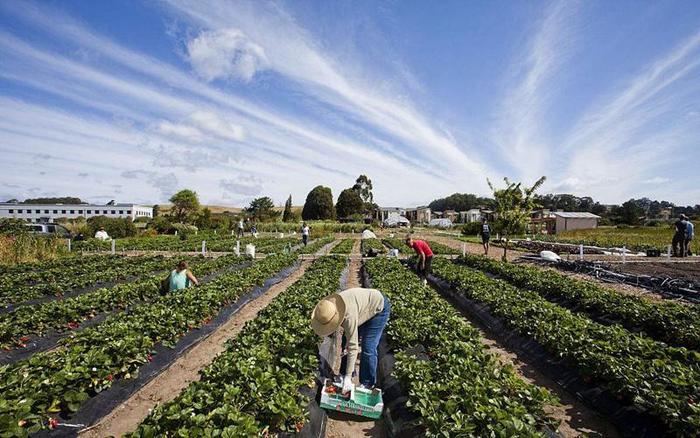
(457,388)
(664,380)
(252,388)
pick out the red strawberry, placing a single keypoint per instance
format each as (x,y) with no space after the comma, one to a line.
(150,358)
(110,377)
(299,426)
(53,423)
(24,338)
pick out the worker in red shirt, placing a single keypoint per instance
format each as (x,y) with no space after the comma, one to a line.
(425,256)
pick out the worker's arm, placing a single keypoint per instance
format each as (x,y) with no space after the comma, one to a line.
(353,344)
(192,278)
(421,259)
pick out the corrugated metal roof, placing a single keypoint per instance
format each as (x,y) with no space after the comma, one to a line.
(575,214)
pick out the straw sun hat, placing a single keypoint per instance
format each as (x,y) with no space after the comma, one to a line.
(328,315)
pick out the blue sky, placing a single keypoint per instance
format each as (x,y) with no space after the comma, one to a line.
(134,100)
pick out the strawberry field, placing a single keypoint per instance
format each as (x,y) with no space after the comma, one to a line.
(74,331)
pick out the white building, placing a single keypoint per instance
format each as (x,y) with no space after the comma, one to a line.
(51,212)
(469,216)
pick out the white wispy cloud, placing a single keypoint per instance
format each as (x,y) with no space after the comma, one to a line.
(522,118)
(225,53)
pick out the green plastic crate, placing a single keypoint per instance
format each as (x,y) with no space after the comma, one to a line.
(362,401)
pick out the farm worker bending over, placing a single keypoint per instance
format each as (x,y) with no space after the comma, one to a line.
(362,313)
(425,257)
(681,228)
(101,234)
(485,235)
(181,277)
(305,233)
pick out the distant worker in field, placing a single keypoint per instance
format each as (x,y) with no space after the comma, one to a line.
(485,235)
(101,234)
(363,314)
(689,235)
(305,233)
(678,242)
(240,228)
(181,277)
(425,257)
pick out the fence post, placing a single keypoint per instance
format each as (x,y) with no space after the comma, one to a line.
(232,232)
(176,232)
(668,253)
(464,249)
(238,248)
(204,247)
(580,252)
(69,245)
(624,255)
(114,246)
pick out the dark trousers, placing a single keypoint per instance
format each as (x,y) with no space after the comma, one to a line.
(424,272)
(305,239)
(679,245)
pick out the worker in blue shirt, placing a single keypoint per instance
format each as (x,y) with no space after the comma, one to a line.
(689,234)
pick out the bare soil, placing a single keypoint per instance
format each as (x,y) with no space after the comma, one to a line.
(576,419)
(687,270)
(342,425)
(475,248)
(167,385)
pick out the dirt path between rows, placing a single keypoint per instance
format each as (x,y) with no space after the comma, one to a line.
(576,418)
(475,248)
(356,248)
(168,384)
(341,425)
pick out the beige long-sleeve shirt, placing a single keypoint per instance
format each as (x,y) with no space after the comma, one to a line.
(361,305)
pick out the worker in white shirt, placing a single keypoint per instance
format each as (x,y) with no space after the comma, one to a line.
(101,234)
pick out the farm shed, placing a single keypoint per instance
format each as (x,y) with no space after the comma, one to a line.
(573,220)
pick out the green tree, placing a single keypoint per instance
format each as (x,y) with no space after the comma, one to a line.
(287,215)
(513,207)
(319,204)
(262,209)
(349,203)
(631,212)
(156,210)
(185,205)
(115,227)
(204,221)
(363,187)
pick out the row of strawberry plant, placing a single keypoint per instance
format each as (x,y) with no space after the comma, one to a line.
(60,262)
(670,322)
(639,371)
(68,314)
(460,390)
(252,388)
(374,244)
(215,242)
(58,382)
(344,247)
(437,248)
(93,270)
